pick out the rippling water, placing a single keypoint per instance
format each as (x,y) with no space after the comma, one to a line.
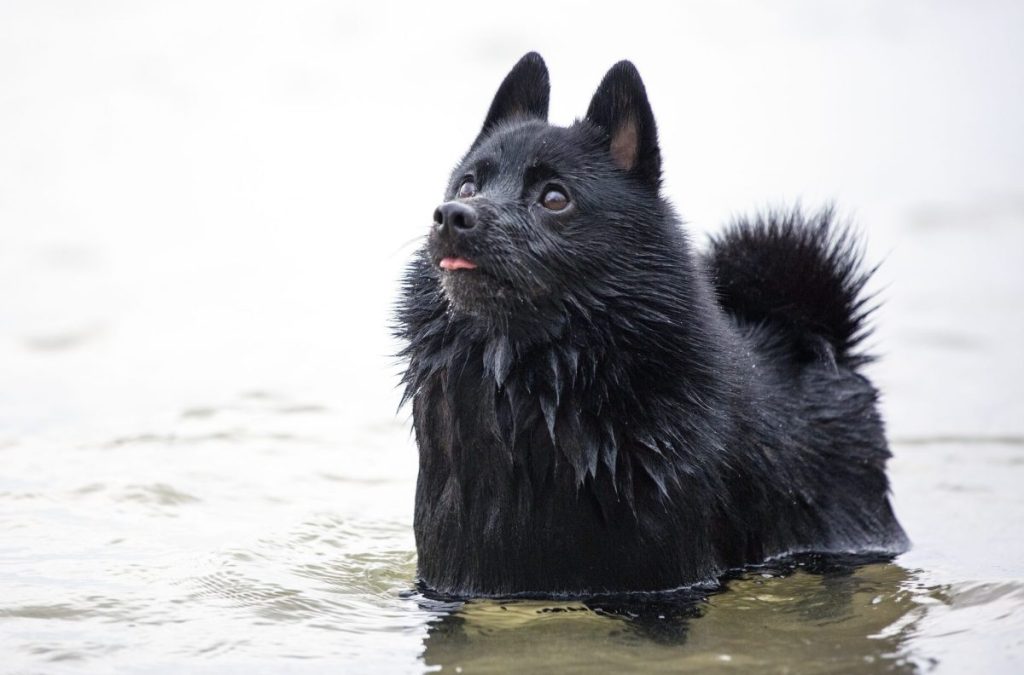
(203,212)
(232,540)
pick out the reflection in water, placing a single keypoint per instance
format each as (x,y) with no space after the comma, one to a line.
(812,614)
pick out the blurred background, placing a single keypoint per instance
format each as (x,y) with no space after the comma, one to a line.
(205,209)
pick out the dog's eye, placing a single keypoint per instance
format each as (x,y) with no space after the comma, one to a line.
(554,199)
(467,189)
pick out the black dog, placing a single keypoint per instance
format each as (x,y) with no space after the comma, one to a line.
(599,409)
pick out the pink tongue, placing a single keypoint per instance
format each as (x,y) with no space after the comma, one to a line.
(456,264)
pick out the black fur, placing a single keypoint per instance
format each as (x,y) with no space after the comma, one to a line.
(597,408)
(804,275)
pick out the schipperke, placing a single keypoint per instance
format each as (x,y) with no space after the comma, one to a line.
(601,409)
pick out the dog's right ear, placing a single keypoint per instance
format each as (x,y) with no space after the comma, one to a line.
(525,92)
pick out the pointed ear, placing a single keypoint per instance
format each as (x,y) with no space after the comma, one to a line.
(524,92)
(620,108)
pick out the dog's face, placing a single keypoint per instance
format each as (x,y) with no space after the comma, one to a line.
(536,216)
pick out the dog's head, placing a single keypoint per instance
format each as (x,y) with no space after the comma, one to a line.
(537,217)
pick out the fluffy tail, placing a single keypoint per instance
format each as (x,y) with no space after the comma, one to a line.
(803,275)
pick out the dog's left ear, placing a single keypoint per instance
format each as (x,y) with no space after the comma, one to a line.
(621,109)
(524,92)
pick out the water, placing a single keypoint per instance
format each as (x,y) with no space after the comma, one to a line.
(203,212)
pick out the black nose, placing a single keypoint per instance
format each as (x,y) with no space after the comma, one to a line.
(454,217)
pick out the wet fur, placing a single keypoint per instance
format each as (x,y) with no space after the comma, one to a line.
(601,408)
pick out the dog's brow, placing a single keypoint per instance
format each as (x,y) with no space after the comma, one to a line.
(486,167)
(538,172)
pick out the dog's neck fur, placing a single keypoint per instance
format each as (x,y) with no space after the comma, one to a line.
(672,337)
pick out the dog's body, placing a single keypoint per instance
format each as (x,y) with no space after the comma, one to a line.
(600,410)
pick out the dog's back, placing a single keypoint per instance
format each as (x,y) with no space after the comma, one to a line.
(795,288)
